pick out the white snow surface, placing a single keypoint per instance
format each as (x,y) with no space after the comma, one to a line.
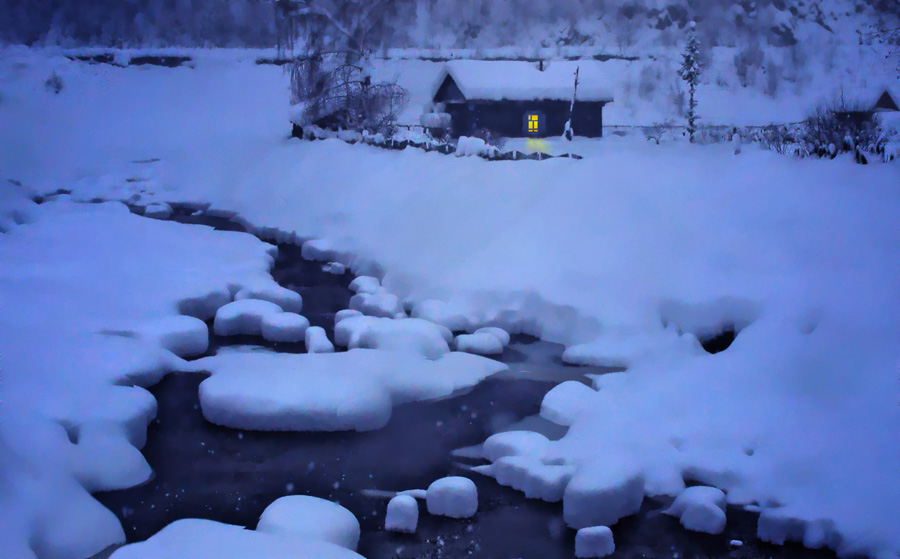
(110,284)
(207,539)
(243,317)
(498,333)
(284,327)
(365,284)
(402,514)
(454,496)
(479,344)
(317,340)
(381,303)
(521,81)
(625,257)
(311,518)
(353,390)
(701,509)
(594,542)
(410,335)
(285,298)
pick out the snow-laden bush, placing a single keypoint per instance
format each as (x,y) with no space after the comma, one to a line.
(469,145)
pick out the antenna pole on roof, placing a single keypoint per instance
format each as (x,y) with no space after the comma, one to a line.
(568,131)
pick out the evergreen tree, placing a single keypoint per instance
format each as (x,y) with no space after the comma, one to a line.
(690,73)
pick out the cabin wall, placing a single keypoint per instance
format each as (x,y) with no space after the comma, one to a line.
(505,118)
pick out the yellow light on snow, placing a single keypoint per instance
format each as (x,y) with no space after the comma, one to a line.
(536,145)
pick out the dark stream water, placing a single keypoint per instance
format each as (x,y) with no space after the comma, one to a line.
(205,471)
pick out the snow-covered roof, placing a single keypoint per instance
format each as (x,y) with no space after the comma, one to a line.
(523,81)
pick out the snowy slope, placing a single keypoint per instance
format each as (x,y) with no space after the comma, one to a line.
(626,256)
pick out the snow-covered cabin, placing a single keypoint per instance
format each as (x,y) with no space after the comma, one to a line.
(495,96)
(887,101)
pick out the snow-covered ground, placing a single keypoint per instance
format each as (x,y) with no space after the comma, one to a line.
(627,257)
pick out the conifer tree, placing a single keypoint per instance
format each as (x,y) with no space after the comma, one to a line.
(690,73)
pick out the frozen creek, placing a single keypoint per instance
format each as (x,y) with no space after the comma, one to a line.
(202,470)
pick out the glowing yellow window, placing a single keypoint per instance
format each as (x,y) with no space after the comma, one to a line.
(532,123)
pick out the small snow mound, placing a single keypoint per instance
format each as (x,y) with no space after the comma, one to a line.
(596,541)
(185,336)
(335,268)
(243,317)
(498,333)
(409,335)
(288,300)
(453,496)
(284,327)
(158,211)
(345,314)
(317,340)
(601,493)
(701,509)
(365,284)
(441,313)
(312,519)
(566,401)
(402,514)
(381,304)
(479,344)
(531,476)
(515,443)
(468,146)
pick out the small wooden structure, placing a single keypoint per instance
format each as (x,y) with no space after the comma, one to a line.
(495,96)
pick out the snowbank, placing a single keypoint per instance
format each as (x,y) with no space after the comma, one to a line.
(109,283)
(327,392)
(410,335)
(456,497)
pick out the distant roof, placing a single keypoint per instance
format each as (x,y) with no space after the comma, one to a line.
(522,81)
(887,101)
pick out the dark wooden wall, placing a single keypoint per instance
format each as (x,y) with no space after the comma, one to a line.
(505,118)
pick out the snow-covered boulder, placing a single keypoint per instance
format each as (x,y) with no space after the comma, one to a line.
(531,476)
(409,335)
(514,443)
(456,497)
(442,313)
(158,211)
(345,314)
(479,344)
(467,146)
(365,284)
(317,340)
(402,514)
(284,327)
(204,539)
(243,317)
(595,541)
(335,268)
(701,509)
(565,402)
(311,518)
(352,390)
(602,492)
(285,298)
(382,304)
(498,333)
(185,336)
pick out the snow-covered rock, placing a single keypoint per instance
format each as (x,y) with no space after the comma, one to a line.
(353,390)
(335,268)
(243,317)
(701,509)
(456,497)
(594,542)
(317,340)
(207,539)
(498,333)
(284,327)
(185,336)
(531,476)
(402,514)
(442,313)
(566,401)
(365,284)
(602,492)
(158,211)
(345,314)
(285,298)
(410,335)
(310,518)
(382,304)
(514,443)
(479,344)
